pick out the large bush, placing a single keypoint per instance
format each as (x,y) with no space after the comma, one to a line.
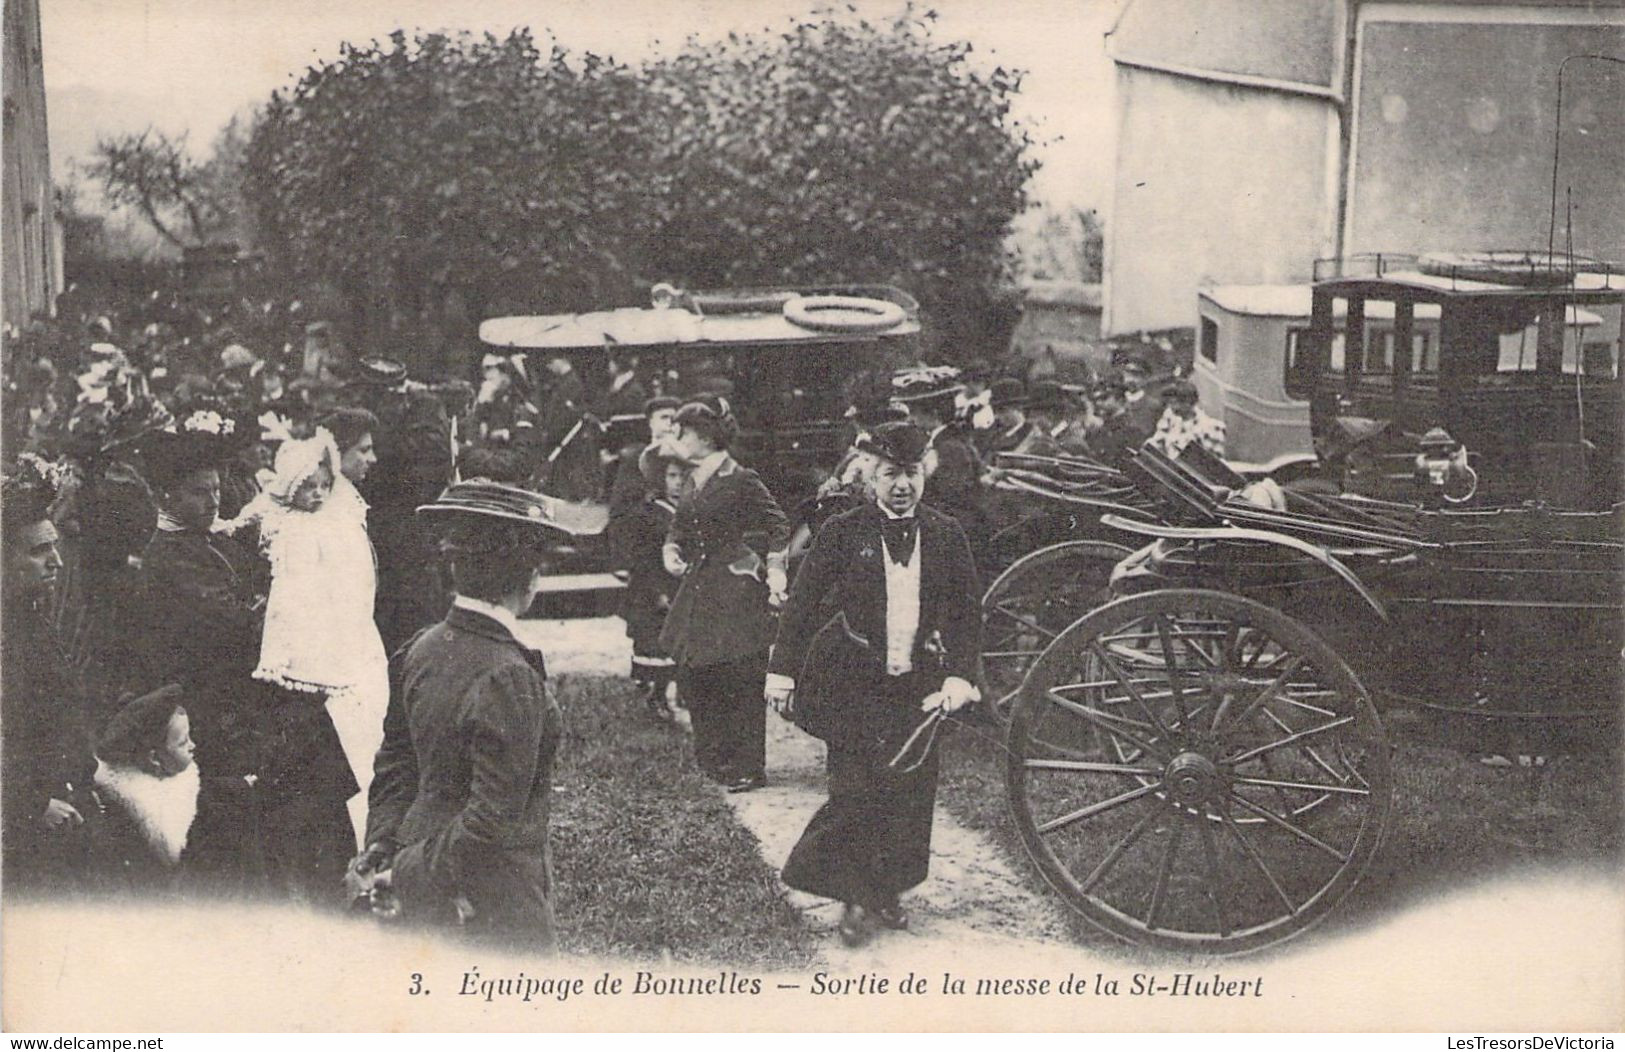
(442,180)
(439,180)
(843,150)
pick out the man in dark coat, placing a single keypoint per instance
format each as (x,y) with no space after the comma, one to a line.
(275,779)
(47,762)
(954,469)
(459,805)
(625,394)
(411,464)
(882,627)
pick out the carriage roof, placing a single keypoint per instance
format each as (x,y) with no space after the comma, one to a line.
(720,320)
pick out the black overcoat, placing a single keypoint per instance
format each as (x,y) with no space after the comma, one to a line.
(832,632)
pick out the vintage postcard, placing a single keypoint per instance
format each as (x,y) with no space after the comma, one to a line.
(1070,515)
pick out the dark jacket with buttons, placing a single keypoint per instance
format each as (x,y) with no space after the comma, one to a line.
(832,632)
(724,532)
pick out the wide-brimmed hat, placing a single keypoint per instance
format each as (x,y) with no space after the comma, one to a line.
(199,439)
(926,385)
(495,503)
(903,444)
(1047,396)
(374,371)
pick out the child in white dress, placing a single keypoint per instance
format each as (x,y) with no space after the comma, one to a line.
(319,633)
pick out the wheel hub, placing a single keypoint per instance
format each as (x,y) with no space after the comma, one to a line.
(1192,778)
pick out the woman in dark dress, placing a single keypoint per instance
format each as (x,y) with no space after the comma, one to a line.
(728,540)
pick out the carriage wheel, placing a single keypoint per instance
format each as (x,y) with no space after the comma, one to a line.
(1031,603)
(1197,771)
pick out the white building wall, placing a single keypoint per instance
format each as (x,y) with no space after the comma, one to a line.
(1214,184)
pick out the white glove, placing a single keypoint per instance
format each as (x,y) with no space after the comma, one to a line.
(674,562)
(955,694)
(778,586)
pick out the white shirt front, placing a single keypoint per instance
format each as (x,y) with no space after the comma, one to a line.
(707,466)
(902,606)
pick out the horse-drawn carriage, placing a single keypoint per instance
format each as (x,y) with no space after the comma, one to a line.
(1197,755)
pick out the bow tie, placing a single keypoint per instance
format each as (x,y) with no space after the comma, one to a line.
(899,537)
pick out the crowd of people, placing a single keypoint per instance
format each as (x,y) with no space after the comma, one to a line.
(212,552)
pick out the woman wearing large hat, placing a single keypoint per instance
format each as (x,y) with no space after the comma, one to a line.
(274,776)
(457,820)
(728,540)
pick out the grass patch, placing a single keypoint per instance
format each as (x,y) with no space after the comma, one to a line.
(1454,821)
(649,860)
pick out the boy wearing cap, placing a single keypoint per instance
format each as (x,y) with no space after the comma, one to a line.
(637,536)
(458,810)
(882,628)
(148,787)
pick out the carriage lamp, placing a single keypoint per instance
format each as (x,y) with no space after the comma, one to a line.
(1442,463)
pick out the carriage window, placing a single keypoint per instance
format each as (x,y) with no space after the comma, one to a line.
(1517,354)
(1424,353)
(1210,339)
(1296,386)
(1379,351)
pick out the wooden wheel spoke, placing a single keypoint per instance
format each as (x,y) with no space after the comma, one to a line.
(1296,736)
(1130,838)
(1269,691)
(1020,619)
(1302,834)
(1308,750)
(1091,767)
(1001,655)
(1228,656)
(1258,860)
(1307,787)
(1171,665)
(1215,889)
(1112,724)
(1128,686)
(1165,869)
(1099,807)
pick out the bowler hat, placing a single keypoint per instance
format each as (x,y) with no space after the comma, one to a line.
(924,385)
(1008,392)
(1047,396)
(903,444)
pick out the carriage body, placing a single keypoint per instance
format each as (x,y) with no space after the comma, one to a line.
(1201,760)
(788,366)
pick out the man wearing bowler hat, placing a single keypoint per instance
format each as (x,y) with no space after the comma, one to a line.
(880,636)
(459,805)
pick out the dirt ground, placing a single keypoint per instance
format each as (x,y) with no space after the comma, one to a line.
(971,896)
